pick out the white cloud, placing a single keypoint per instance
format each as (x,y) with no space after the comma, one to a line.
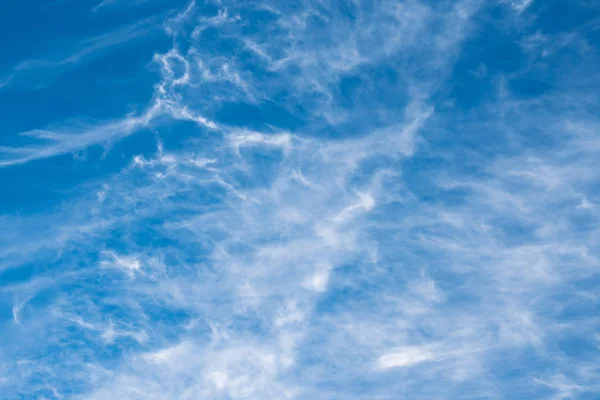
(329,266)
(405,357)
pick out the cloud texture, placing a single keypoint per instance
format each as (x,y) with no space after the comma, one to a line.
(341,200)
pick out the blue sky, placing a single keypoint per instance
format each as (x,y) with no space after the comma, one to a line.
(299,200)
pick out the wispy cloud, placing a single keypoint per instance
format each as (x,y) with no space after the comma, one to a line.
(107,4)
(377,241)
(83,51)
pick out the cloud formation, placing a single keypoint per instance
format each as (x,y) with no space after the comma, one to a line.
(339,216)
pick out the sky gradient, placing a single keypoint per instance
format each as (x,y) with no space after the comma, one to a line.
(299,200)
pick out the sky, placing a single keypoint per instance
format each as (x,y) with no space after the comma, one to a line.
(299,200)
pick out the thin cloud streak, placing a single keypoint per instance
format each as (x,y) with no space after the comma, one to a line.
(85,51)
